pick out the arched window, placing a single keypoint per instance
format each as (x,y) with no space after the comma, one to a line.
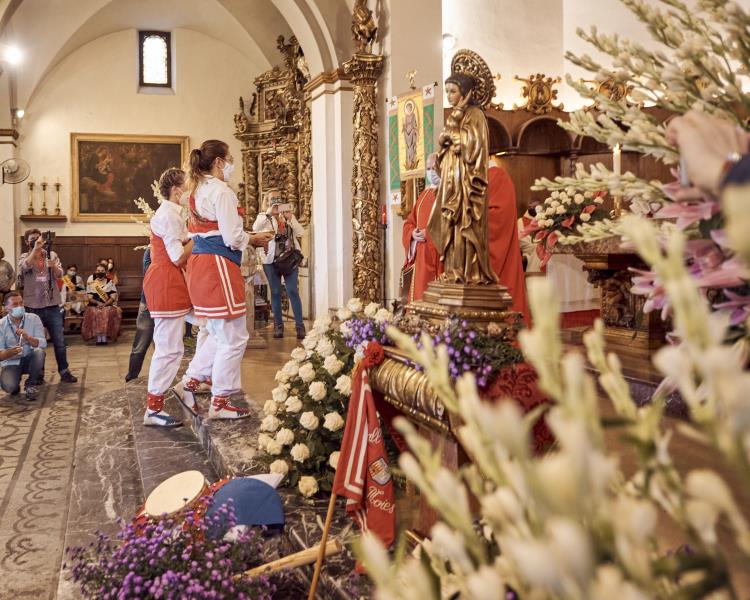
(155,58)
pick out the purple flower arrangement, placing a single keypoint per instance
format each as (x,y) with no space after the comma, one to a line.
(470,349)
(361,331)
(172,559)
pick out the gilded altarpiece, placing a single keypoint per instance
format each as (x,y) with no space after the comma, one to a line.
(276,136)
(275,131)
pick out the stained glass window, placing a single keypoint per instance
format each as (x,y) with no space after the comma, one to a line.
(155,58)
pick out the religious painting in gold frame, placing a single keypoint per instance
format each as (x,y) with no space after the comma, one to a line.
(411,151)
(110,171)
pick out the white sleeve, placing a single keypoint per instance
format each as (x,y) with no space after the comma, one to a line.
(261,223)
(230,222)
(297,228)
(170,230)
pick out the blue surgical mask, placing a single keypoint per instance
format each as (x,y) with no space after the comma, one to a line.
(17,312)
(433,178)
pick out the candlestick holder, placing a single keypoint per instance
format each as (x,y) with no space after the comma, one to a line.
(57,191)
(44,198)
(31,198)
(616,211)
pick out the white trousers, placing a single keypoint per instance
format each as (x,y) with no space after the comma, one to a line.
(168,349)
(230,337)
(203,360)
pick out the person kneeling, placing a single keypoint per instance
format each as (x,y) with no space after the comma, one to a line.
(22,344)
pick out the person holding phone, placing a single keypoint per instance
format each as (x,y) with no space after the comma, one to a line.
(22,345)
(287,231)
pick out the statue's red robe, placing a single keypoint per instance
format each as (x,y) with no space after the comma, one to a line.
(502,230)
(424,254)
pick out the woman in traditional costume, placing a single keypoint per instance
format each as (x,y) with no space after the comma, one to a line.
(102,317)
(458,225)
(166,293)
(216,286)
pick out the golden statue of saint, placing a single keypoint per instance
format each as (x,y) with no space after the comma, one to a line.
(458,225)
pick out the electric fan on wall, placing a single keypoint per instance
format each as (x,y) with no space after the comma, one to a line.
(15,170)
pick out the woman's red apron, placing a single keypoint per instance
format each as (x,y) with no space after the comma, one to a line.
(164,284)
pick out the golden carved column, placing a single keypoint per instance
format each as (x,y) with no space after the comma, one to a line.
(367,263)
(252,202)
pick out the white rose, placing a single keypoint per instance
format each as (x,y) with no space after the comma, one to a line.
(354,305)
(308,486)
(344,385)
(560,210)
(279,393)
(383,315)
(550,211)
(555,194)
(281,376)
(371,309)
(324,347)
(554,204)
(333,460)
(300,452)
(299,354)
(549,223)
(309,344)
(322,323)
(588,194)
(333,421)
(307,372)
(263,439)
(317,390)
(273,447)
(538,208)
(567,200)
(284,436)
(269,423)
(291,368)
(293,404)
(598,200)
(345,329)
(344,314)
(585,217)
(571,191)
(270,407)
(332,364)
(578,199)
(279,466)
(309,421)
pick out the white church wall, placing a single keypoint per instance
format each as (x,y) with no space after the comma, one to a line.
(515,38)
(95,90)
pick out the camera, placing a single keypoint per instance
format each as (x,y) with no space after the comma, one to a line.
(49,236)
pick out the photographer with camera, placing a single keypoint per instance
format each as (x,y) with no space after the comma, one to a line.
(39,269)
(282,259)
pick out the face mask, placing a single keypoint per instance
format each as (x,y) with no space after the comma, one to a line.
(17,312)
(71,273)
(100,275)
(433,177)
(227,170)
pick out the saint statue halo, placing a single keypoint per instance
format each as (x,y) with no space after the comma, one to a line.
(458,225)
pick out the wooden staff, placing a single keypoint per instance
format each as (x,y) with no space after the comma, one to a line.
(321,552)
(298,559)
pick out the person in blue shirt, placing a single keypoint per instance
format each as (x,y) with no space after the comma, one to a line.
(22,344)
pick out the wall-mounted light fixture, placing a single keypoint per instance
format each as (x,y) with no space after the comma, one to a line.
(12,55)
(449,41)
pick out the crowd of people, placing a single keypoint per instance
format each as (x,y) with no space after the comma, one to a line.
(191,275)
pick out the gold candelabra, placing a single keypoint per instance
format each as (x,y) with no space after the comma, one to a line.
(31,198)
(44,198)
(57,191)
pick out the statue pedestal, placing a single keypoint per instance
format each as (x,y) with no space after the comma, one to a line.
(482,305)
(627,329)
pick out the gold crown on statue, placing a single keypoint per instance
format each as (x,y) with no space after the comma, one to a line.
(470,63)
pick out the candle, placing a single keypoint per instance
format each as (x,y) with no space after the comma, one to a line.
(616,160)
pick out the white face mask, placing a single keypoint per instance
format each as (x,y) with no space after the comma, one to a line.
(227,170)
(433,177)
(185,199)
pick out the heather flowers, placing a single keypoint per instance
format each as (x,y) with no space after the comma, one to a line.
(172,559)
(471,350)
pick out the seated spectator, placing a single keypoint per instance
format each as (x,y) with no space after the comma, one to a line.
(73,292)
(102,317)
(22,345)
(6,275)
(111,272)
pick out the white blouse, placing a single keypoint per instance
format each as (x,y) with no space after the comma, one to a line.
(215,201)
(169,224)
(265,222)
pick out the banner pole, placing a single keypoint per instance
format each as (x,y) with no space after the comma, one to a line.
(322,548)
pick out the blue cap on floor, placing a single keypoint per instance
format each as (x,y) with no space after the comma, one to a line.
(255,502)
